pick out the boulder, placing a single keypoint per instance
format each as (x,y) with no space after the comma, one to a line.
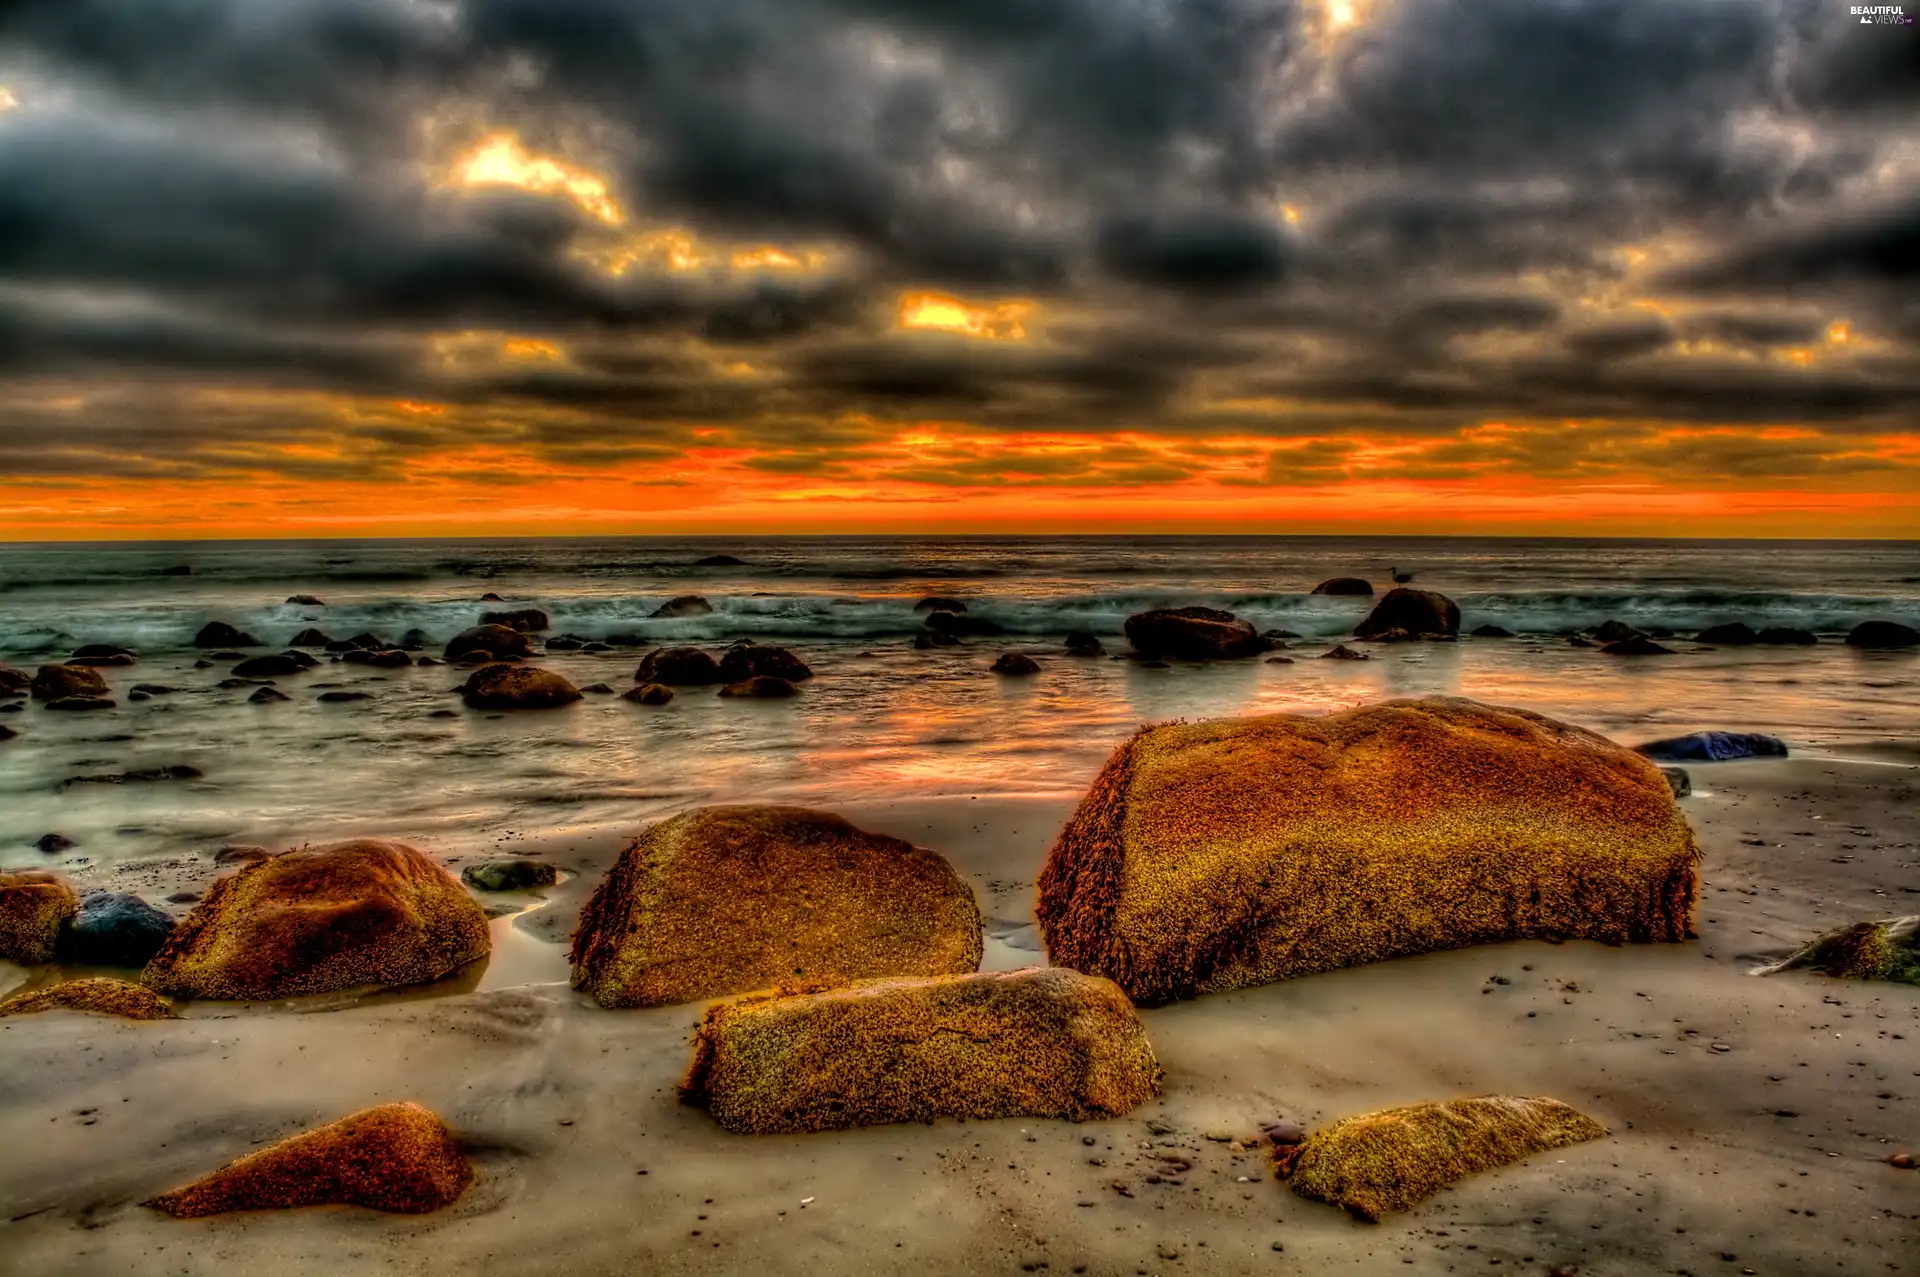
(14,682)
(102,654)
(1615,632)
(116,929)
(35,907)
(1577,641)
(491,597)
(517,687)
(1192,634)
(220,634)
(1345,587)
(78,704)
(342,915)
(685,605)
(525,619)
(1032,1043)
(282,666)
(1491,631)
(678,667)
(496,642)
(746,659)
(1714,747)
(1082,643)
(1015,663)
(1638,645)
(1377,1163)
(514,874)
(96,994)
(413,640)
(1215,855)
(306,600)
(564,643)
(396,1157)
(267,696)
(391,658)
(1887,949)
(1734,634)
(940,603)
(58,682)
(648,694)
(760,687)
(719,561)
(1883,634)
(959,623)
(1423,614)
(724,900)
(1786,636)
(310,637)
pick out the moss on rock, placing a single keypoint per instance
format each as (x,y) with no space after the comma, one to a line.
(1215,855)
(98,995)
(34,907)
(1035,1043)
(317,919)
(1887,949)
(1377,1163)
(725,900)
(395,1157)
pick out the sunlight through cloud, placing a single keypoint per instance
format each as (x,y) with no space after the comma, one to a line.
(501,160)
(994,321)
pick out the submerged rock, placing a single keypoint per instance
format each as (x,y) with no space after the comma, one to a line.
(282,666)
(306,600)
(1888,949)
(1192,634)
(494,642)
(517,687)
(1733,634)
(96,994)
(267,696)
(1215,855)
(391,658)
(957,624)
(1491,631)
(35,906)
(1786,636)
(1883,634)
(342,698)
(58,682)
(1031,1043)
(1341,652)
(102,654)
(678,667)
(1081,643)
(516,874)
(317,919)
(746,659)
(14,682)
(310,637)
(75,704)
(1678,780)
(116,929)
(685,605)
(54,844)
(940,603)
(138,776)
(1377,1163)
(723,900)
(1423,614)
(1015,663)
(760,687)
(396,1157)
(1345,587)
(648,694)
(220,634)
(1714,747)
(1639,645)
(719,561)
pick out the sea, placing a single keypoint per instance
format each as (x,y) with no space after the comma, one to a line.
(880,719)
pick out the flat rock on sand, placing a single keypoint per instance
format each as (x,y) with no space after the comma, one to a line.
(1211,856)
(396,1157)
(1036,1043)
(317,919)
(34,906)
(725,900)
(98,995)
(1378,1163)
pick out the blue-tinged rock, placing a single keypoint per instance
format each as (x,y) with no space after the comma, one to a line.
(116,929)
(1714,747)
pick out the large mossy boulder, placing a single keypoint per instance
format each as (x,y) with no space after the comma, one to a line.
(95,995)
(495,642)
(1887,949)
(1192,634)
(1377,1163)
(396,1157)
(724,900)
(517,687)
(1214,855)
(344,915)
(61,682)
(1034,1043)
(679,667)
(1419,614)
(35,907)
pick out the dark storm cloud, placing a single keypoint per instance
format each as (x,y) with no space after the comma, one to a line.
(253,194)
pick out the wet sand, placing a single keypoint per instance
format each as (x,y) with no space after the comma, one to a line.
(1751,1117)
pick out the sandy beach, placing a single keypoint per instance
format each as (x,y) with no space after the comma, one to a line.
(1751,1118)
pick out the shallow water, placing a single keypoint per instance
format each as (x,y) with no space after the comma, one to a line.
(881,720)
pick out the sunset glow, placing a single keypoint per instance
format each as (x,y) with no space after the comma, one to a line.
(501,160)
(992,321)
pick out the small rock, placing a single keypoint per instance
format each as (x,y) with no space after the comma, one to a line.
(648,694)
(116,929)
(1285,1133)
(267,696)
(340,698)
(1904,1161)
(1015,663)
(1678,781)
(517,874)
(1158,1126)
(1344,653)
(54,844)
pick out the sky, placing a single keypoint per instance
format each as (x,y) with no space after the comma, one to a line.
(514,267)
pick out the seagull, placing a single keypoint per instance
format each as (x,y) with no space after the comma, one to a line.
(1399,577)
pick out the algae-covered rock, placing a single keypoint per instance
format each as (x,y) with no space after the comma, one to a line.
(678,667)
(1034,1043)
(34,908)
(98,995)
(1887,949)
(60,682)
(1215,855)
(315,919)
(517,687)
(1377,1163)
(494,642)
(724,900)
(396,1157)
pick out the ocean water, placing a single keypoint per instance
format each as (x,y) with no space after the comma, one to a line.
(880,719)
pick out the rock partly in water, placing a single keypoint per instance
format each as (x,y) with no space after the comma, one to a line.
(685,605)
(1639,645)
(746,659)
(1215,855)
(306,600)
(648,694)
(1082,643)
(940,603)
(1341,652)
(391,658)
(1491,631)
(35,907)
(60,682)
(1678,781)
(1015,663)
(1714,747)
(514,874)
(102,654)
(14,682)
(719,561)
(80,704)
(1345,587)
(396,1157)
(1887,949)
(1422,614)
(342,698)
(1192,634)
(1786,636)
(517,687)
(1883,634)
(7,733)
(678,667)
(724,900)
(54,844)
(318,919)
(115,929)
(1032,1043)
(761,687)
(524,619)
(96,994)
(283,665)
(310,637)
(1616,631)
(1377,1163)
(958,624)
(495,642)
(220,634)
(1732,634)
(267,696)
